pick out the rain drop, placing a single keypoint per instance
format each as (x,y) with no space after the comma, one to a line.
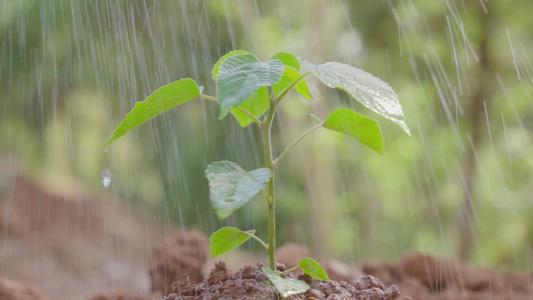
(106,177)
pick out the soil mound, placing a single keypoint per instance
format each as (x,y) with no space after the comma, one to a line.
(71,243)
(290,254)
(424,277)
(247,283)
(13,290)
(122,296)
(183,253)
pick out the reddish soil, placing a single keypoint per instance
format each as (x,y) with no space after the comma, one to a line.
(122,296)
(68,241)
(290,254)
(248,283)
(424,277)
(73,246)
(13,290)
(183,253)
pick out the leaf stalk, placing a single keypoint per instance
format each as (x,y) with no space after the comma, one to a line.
(257,239)
(290,270)
(271,199)
(277,160)
(244,111)
(290,87)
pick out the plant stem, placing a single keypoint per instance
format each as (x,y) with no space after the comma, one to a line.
(277,160)
(290,87)
(289,270)
(207,97)
(244,111)
(257,239)
(265,195)
(267,144)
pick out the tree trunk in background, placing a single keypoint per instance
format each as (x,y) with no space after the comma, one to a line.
(475,115)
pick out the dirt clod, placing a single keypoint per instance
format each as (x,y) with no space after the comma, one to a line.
(249,283)
(290,254)
(183,253)
(218,274)
(424,277)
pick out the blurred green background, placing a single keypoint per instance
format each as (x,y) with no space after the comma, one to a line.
(463,70)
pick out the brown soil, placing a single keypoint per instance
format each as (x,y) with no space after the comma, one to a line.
(424,277)
(122,296)
(248,283)
(290,254)
(183,253)
(71,243)
(12,290)
(73,246)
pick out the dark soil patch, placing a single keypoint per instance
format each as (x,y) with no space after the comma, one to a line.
(424,277)
(248,283)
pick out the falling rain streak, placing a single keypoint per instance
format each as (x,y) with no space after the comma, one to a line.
(70,71)
(106,177)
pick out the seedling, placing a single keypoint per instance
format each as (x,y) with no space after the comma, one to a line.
(251,91)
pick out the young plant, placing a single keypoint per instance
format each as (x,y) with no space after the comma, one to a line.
(251,91)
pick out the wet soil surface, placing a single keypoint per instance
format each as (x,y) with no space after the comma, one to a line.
(424,277)
(248,283)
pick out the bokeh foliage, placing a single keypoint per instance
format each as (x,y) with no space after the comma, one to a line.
(70,71)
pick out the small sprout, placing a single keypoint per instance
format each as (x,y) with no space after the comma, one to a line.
(312,268)
(228,238)
(250,90)
(231,187)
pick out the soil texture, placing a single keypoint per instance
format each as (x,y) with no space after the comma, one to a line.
(13,290)
(290,254)
(424,277)
(248,283)
(72,244)
(185,252)
(123,296)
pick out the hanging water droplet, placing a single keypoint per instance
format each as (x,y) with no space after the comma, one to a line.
(105,150)
(106,177)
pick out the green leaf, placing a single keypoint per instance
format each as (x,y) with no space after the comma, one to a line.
(257,105)
(160,101)
(231,187)
(240,76)
(214,72)
(290,75)
(228,238)
(286,286)
(371,91)
(366,130)
(312,268)
(288,59)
